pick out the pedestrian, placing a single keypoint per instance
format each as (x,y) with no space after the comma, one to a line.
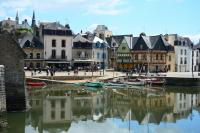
(47,71)
(35,71)
(51,71)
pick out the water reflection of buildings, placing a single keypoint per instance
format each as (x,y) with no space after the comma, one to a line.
(56,113)
(152,107)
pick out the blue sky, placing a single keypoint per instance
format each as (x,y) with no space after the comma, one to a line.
(121,16)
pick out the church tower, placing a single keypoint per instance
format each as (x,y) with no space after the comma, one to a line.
(17,18)
(33,25)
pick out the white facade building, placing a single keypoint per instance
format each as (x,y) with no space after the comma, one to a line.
(57,109)
(89,50)
(58,42)
(183,52)
(185,102)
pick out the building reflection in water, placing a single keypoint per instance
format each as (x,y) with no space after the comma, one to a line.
(56,113)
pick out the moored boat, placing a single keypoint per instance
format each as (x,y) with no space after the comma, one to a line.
(135,82)
(156,82)
(93,84)
(36,84)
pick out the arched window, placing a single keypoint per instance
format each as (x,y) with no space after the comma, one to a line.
(63,55)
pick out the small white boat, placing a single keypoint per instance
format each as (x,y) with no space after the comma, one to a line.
(135,82)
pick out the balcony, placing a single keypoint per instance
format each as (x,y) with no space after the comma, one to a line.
(151,62)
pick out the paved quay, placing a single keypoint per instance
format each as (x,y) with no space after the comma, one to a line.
(98,75)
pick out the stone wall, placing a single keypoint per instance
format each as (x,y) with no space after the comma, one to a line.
(2,90)
(12,57)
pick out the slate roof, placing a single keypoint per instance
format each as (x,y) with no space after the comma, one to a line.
(80,38)
(117,38)
(197,46)
(35,43)
(53,26)
(152,41)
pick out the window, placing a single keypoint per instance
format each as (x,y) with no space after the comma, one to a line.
(53,53)
(183,43)
(180,96)
(170,58)
(141,46)
(52,115)
(185,51)
(31,55)
(62,114)
(136,57)
(63,56)
(53,104)
(37,102)
(123,48)
(181,61)
(38,55)
(63,43)
(38,65)
(98,56)
(161,57)
(156,56)
(103,55)
(62,103)
(181,52)
(185,61)
(53,43)
(169,67)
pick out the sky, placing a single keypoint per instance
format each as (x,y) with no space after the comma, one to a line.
(121,16)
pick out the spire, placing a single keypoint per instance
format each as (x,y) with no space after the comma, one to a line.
(17,18)
(33,20)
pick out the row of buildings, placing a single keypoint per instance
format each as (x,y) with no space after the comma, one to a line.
(52,44)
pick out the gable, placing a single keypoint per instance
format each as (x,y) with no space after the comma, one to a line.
(159,45)
(123,47)
(140,45)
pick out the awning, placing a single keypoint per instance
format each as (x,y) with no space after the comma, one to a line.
(83,61)
(57,62)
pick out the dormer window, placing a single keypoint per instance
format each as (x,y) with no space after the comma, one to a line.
(141,46)
(123,48)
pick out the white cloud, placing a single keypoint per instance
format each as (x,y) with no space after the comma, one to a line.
(194,38)
(109,7)
(92,27)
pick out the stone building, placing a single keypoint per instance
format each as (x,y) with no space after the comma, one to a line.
(12,57)
(102,32)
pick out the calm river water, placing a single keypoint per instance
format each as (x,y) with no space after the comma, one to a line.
(68,109)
